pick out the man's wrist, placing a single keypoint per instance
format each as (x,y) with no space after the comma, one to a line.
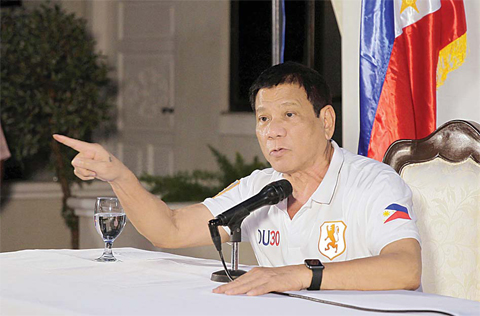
(126,176)
(307,277)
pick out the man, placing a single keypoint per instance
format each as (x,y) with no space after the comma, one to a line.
(352,213)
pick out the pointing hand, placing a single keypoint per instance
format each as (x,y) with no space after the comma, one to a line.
(92,160)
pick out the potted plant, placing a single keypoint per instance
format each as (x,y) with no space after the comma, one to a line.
(52,81)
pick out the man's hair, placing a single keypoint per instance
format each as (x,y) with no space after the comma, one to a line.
(318,92)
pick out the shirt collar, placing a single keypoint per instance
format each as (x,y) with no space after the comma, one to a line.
(326,189)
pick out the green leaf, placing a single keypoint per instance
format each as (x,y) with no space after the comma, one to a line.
(200,184)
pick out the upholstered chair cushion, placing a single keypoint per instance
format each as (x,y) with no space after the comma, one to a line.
(446,197)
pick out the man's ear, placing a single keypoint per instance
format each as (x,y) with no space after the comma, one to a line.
(327,115)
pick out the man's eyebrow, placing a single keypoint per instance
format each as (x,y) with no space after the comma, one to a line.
(286,103)
(259,109)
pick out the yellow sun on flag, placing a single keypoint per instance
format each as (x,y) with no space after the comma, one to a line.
(409,3)
(386,213)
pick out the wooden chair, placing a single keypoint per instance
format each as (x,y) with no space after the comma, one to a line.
(443,171)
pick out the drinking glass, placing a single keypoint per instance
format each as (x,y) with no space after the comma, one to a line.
(109,220)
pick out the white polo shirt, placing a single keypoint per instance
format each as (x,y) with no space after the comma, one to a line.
(361,206)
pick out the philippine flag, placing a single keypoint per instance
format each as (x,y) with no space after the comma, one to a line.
(407,47)
(394,211)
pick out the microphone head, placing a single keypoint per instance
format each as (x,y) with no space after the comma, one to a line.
(277,191)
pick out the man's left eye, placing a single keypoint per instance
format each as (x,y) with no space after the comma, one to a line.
(289,114)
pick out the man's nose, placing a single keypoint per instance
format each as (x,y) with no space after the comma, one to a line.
(276,129)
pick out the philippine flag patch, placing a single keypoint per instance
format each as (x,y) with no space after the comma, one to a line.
(394,211)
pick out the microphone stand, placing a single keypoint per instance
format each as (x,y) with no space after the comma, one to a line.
(235,238)
(271,194)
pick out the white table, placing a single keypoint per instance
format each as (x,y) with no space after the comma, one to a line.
(69,282)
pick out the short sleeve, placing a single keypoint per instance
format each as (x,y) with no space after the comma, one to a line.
(232,195)
(240,190)
(391,215)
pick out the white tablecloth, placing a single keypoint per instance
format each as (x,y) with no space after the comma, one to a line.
(69,282)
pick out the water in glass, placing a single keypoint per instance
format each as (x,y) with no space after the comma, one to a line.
(110,219)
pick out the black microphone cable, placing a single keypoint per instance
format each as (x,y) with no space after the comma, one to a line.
(365,309)
(225,266)
(213,227)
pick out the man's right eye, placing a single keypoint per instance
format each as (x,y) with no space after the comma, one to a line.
(262,118)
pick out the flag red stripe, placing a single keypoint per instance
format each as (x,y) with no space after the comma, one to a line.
(398,215)
(454,23)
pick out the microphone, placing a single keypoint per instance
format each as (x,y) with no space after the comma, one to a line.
(271,194)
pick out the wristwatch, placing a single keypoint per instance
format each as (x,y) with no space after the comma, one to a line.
(317,269)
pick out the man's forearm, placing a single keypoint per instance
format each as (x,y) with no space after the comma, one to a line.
(397,267)
(388,271)
(163,227)
(150,215)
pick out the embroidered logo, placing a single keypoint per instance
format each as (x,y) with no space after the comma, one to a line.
(332,243)
(394,211)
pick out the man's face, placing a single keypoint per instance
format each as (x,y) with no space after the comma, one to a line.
(292,138)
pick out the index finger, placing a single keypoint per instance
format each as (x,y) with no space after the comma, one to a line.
(76,144)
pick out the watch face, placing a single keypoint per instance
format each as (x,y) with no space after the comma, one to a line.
(313,263)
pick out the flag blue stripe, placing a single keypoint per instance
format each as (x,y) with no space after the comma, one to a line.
(377,34)
(397,207)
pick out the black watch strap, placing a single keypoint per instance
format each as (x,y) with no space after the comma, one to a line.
(316,280)
(317,271)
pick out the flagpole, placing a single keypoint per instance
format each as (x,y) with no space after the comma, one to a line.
(277,31)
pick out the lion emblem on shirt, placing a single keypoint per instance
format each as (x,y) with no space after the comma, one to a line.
(332,235)
(331,243)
